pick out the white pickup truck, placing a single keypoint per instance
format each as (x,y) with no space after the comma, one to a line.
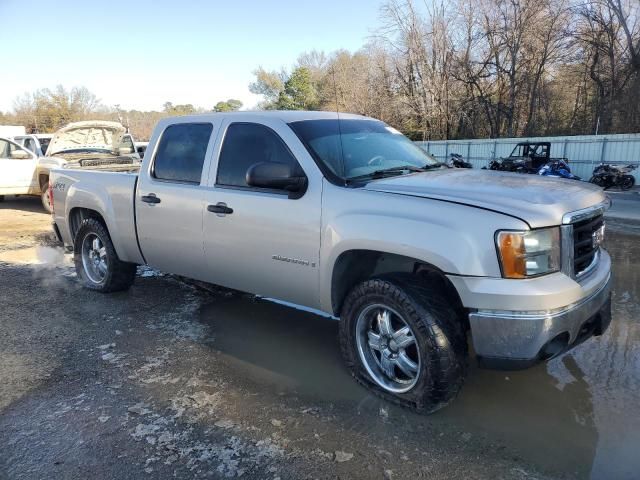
(345,215)
(25,165)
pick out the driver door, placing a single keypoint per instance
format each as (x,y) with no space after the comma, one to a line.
(264,241)
(17,169)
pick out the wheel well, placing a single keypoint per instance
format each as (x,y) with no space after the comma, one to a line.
(43,179)
(356,266)
(78,215)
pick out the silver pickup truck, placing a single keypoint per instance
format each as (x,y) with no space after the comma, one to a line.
(343,214)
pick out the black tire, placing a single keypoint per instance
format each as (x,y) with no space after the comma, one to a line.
(627,182)
(44,198)
(119,275)
(1,198)
(437,329)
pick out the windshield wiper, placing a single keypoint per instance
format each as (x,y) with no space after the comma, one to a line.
(386,172)
(433,166)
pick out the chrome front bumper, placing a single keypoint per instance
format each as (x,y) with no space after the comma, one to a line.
(510,339)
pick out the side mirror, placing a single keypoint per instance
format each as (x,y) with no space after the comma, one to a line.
(21,155)
(279,176)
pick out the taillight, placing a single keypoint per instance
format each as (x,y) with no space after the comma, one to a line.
(51,196)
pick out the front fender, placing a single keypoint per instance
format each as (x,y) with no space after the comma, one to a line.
(457,239)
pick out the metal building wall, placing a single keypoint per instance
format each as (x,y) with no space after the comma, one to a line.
(584,151)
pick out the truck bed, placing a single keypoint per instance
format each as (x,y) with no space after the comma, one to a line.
(109,193)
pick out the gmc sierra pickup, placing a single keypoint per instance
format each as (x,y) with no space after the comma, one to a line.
(343,214)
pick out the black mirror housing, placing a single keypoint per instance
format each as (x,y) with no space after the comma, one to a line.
(277,176)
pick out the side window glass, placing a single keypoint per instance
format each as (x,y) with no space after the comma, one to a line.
(126,146)
(44,143)
(246,144)
(29,144)
(14,151)
(4,149)
(181,152)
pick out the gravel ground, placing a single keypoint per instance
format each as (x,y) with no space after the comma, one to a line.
(170,381)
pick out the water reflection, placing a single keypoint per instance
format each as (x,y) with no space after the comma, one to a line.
(547,421)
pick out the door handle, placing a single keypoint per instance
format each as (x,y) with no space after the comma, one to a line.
(220,208)
(151,198)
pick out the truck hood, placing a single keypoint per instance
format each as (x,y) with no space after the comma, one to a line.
(99,135)
(539,201)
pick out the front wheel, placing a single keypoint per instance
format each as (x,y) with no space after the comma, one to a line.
(97,263)
(404,342)
(627,182)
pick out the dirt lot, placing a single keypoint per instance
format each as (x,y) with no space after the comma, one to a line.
(167,381)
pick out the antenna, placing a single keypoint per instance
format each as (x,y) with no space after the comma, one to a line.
(335,93)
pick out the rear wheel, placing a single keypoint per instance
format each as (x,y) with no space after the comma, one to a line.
(96,261)
(404,342)
(44,197)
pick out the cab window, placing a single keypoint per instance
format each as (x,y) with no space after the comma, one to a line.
(8,150)
(246,144)
(181,152)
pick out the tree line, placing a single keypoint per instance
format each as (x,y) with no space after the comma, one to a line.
(480,68)
(47,110)
(439,70)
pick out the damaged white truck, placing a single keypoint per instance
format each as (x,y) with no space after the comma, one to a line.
(343,214)
(25,171)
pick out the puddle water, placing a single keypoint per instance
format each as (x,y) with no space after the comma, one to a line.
(578,414)
(290,350)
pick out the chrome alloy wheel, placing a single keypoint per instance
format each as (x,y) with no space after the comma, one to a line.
(94,258)
(388,348)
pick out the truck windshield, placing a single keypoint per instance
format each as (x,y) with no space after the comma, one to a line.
(355,149)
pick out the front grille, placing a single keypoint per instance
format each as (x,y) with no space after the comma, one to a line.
(584,250)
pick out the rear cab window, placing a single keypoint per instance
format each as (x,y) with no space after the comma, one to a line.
(181,152)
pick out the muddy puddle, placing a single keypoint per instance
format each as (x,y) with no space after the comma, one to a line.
(577,415)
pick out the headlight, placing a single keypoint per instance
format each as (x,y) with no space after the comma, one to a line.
(529,254)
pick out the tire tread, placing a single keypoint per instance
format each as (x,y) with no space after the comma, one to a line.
(435,317)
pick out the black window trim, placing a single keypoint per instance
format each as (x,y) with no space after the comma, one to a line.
(249,188)
(274,191)
(152,165)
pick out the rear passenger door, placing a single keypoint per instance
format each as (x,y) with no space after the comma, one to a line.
(170,197)
(269,242)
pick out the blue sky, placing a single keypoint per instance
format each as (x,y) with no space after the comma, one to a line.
(141,53)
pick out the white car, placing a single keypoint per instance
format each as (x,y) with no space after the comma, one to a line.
(25,165)
(18,167)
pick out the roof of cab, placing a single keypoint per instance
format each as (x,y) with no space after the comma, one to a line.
(284,115)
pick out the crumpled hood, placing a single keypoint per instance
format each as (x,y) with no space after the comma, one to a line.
(93,134)
(539,201)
